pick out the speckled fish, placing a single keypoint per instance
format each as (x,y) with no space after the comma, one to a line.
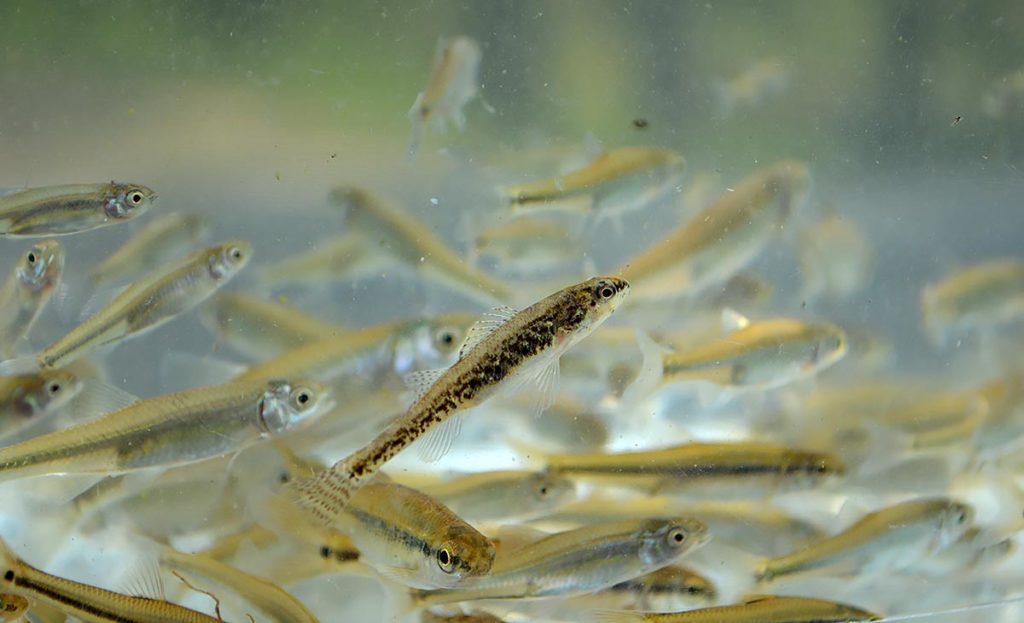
(412,538)
(891,538)
(168,430)
(719,469)
(977,297)
(616,181)
(26,399)
(529,245)
(159,241)
(758,356)
(394,348)
(85,602)
(721,239)
(269,601)
(759,609)
(579,561)
(413,243)
(144,305)
(502,495)
(836,258)
(71,209)
(453,83)
(23,296)
(510,346)
(261,328)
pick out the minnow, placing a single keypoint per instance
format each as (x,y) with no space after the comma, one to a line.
(23,296)
(453,83)
(159,241)
(757,609)
(71,209)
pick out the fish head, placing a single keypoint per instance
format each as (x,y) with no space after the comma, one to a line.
(590,303)
(126,201)
(435,342)
(678,587)
(955,518)
(810,469)
(664,540)
(548,491)
(828,346)
(56,388)
(286,406)
(226,259)
(40,268)
(462,553)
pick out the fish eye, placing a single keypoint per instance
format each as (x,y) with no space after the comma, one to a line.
(543,490)
(54,388)
(235,253)
(676,536)
(446,337)
(445,560)
(325,552)
(9,575)
(284,477)
(605,290)
(693,589)
(31,257)
(302,396)
(135,197)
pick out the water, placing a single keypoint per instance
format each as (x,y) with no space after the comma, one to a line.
(250,113)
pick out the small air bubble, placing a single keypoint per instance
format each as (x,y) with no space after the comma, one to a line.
(434,201)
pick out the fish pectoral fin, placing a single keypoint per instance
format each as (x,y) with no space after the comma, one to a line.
(420,381)
(651,372)
(145,580)
(398,575)
(544,382)
(485,326)
(438,440)
(97,398)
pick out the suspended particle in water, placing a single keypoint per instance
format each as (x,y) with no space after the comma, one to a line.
(640,123)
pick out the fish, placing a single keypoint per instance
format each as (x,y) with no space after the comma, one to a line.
(156,243)
(71,208)
(411,538)
(616,181)
(568,425)
(453,82)
(340,258)
(473,616)
(522,347)
(758,355)
(529,245)
(88,603)
(12,607)
(395,348)
(751,86)
(26,399)
(836,258)
(413,244)
(35,278)
(722,238)
(579,561)
(976,549)
(977,297)
(756,609)
(722,469)
(670,588)
(173,429)
(262,328)
(270,601)
(1005,97)
(143,306)
(890,538)
(504,495)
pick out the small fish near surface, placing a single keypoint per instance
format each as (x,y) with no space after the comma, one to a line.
(71,209)
(453,83)
(35,278)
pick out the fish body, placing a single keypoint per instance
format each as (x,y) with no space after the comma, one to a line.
(413,243)
(529,245)
(759,609)
(453,83)
(261,328)
(751,86)
(25,293)
(761,355)
(836,259)
(721,239)
(525,345)
(413,538)
(670,588)
(618,180)
(174,429)
(341,258)
(71,209)
(977,297)
(162,240)
(272,603)
(579,561)
(149,303)
(890,538)
(503,495)
(719,469)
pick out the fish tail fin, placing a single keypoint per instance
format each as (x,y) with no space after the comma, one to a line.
(618,616)
(324,495)
(417,120)
(651,372)
(19,365)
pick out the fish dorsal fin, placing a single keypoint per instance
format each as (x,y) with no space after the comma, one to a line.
(487,325)
(438,441)
(732,320)
(145,580)
(420,381)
